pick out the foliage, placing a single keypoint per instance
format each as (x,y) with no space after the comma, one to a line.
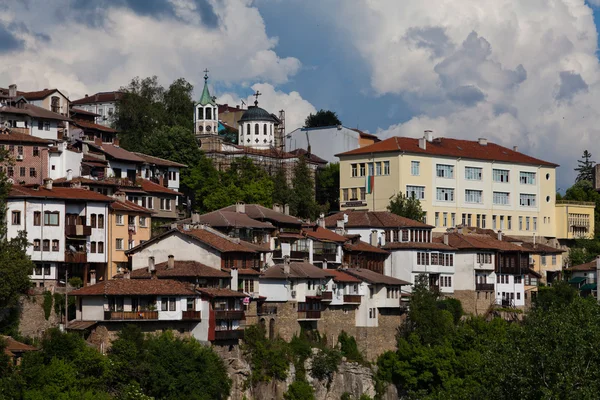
(583,251)
(454,306)
(328,186)
(299,390)
(585,168)
(560,294)
(584,191)
(76,282)
(59,305)
(325,363)
(322,118)
(269,359)
(303,204)
(365,397)
(346,396)
(282,193)
(409,207)
(15,268)
(47,306)
(349,348)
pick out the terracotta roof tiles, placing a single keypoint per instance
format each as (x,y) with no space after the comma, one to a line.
(91,125)
(129,206)
(100,97)
(363,247)
(214,292)
(298,270)
(341,276)
(181,269)
(373,219)
(17,137)
(135,287)
(151,187)
(322,234)
(261,213)
(374,277)
(63,193)
(159,161)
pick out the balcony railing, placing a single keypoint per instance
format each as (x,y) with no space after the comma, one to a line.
(575,202)
(129,315)
(78,230)
(352,298)
(191,315)
(266,310)
(229,335)
(488,287)
(299,254)
(75,257)
(302,315)
(324,257)
(327,296)
(277,254)
(229,314)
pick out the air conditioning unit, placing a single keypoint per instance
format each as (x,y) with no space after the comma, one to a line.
(19,157)
(293,294)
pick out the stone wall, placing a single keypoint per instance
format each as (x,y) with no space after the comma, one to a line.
(373,341)
(334,320)
(32,321)
(473,303)
(286,320)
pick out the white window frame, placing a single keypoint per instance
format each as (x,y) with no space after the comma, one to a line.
(415,168)
(445,194)
(501,198)
(501,175)
(527,200)
(444,171)
(473,196)
(527,178)
(473,173)
(418,190)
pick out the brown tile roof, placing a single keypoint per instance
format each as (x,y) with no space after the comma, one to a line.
(538,248)
(229,219)
(63,193)
(34,112)
(374,277)
(590,266)
(363,247)
(447,147)
(309,157)
(217,240)
(481,242)
(38,94)
(135,287)
(341,276)
(159,161)
(91,125)
(214,292)
(83,112)
(365,135)
(269,153)
(14,346)
(17,137)
(129,206)
(151,187)
(298,270)
(256,211)
(181,269)
(373,219)
(116,152)
(243,271)
(258,247)
(322,234)
(415,245)
(227,108)
(123,183)
(100,97)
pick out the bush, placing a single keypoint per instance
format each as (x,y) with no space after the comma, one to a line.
(299,390)
(269,359)
(349,348)
(47,304)
(76,282)
(346,396)
(454,306)
(325,363)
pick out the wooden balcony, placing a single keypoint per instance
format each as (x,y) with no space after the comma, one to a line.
(267,310)
(229,335)
(352,298)
(487,287)
(331,257)
(78,230)
(277,254)
(191,315)
(229,314)
(130,315)
(299,255)
(78,257)
(309,315)
(326,296)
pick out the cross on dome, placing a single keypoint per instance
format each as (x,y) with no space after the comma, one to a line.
(206,74)
(256,95)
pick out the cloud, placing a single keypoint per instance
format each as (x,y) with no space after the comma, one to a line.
(8,41)
(83,47)
(570,84)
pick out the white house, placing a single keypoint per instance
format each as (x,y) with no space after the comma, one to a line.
(102,103)
(300,282)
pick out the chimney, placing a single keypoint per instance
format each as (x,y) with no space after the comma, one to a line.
(515,148)
(276,207)
(428,135)
(126,274)
(321,220)
(240,207)
(286,265)
(12,90)
(195,218)
(340,228)
(482,141)
(339,127)
(69,175)
(237,106)
(151,266)
(374,238)
(116,141)
(286,209)
(98,141)
(500,235)
(120,196)
(92,277)
(48,184)
(423,143)
(171,262)
(446,239)
(86,95)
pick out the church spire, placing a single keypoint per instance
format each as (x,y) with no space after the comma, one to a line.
(206,98)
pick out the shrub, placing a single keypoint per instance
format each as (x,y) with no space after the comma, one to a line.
(269,359)
(349,348)
(454,306)
(299,390)
(76,282)
(325,363)
(47,304)
(346,396)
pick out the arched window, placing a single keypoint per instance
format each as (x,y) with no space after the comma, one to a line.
(248,131)
(241,129)
(265,130)
(271,125)
(208,113)
(215,112)
(200,113)
(256,129)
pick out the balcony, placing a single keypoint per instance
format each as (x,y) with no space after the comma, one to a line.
(78,257)
(309,315)
(191,315)
(329,257)
(130,315)
(487,287)
(326,296)
(267,310)
(229,335)
(229,314)
(352,298)
(299,255)
(78,230)
(277,254)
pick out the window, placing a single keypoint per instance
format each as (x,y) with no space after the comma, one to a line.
(444,171)
(473,173)
(345,194)
(500,175)
(143,221)
(354,194)
(527,178)
(100,221)
(37,218)
(22,171)
(371,168)
(526,223)
(51,218)
(16,217)
(10,172)
(32,172)
(502,222)
(473,196)
(527,200)
(437,219)
(445,219)
(165,204)
(189,304)
(36,151)
(509,222)
(378,168)
(92,247)
(100,247)
(172,175)
(150,202)
(362,170)
(46,126)
(469,219)
(501,198)
(417,191)
(484,258)
(520,223)
(354,170)
(93,220)
(483,224)
(20,150)
(478,220)
(363,193)
(464,219)
(264,129)
(518,279)
(46,269)
(40,125)
(535,223)
(46,245)
(445,194)
(453,219)
(119,218)
(414,168)
(554,259)
(36,244)
(386,167)
(543,260)
(55,245)
(494,222)
(119,244)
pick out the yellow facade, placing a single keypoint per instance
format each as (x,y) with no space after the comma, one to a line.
(545,263)
(399,174)
(126,229)
(574,219)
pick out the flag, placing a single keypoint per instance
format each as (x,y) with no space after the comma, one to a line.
(370,184)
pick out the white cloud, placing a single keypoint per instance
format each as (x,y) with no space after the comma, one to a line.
(101,46)
(519,72)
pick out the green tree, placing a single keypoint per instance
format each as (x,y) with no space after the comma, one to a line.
(409,207)
(328,186)
(282,194)
(585,168)
(303,204)
(325,363)
(349,348)
(178,105)
(15,268)
(322,118)
(584,191)
(299,390)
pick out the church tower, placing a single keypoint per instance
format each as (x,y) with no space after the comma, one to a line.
(257,127)
(206,119)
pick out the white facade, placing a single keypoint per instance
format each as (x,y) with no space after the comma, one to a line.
(98,234)
(105,111)
(511,288)
(122,166)
(257,134)
(63,161)
(404,264)
(292,290)
(325,142)
(206,119)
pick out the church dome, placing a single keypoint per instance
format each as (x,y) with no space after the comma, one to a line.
(255,113)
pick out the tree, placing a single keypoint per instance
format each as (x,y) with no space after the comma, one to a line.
(409,207)
(585,169)
(299,390)
(282,194)
(322,118)
(328,186)
(179,105)
(584,191)
(303,204)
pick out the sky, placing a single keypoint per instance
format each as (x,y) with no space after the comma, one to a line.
(519,73)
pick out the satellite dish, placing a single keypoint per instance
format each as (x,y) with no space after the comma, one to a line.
(72,248)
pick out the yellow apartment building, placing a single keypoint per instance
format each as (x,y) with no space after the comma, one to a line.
(575,219)
(129,225)
(459,182)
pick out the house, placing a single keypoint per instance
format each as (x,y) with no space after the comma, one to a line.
(67,229)
(83,127)
(584,277)
(545,260)
(33,120)
(323,247)
(161,171)
(327,141)
(104,104)
(49,99)
(360,254)
(15,349)
(64,160)
(29,156)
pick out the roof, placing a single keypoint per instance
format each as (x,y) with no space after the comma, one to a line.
(271,152)
(206,98)
(324,235)
(373,277)
(590,266)
(456,148)
(256,211)
(229,219)
(214,292)
(83,112)
(255,113)
(539,248)
(481,242)
(124,183)
(416,245)
(577,279)
(373,219)
(151,187)
(38,94)
(298,270)
(588,286)
(14,346)
(129,206)
(363,247)
(311,157)
(17,137)
(340,276)
(181,269)
(136,287)
(217,240)
(116,152)
(34,112)
(223,108)
(62,193)
(365,135)
(159,161)
(91,125)
(100,97)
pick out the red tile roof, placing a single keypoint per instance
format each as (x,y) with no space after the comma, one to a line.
(365,135)
(63,193)
(214,292)
(83,112)
(374,277)
(34,112)
(129,206)
(481,242)
(324,235)
(15,346)
(590,266)
(261,213)
(309,157)
(298,270)
(38,94)
(135,287)
(17,137)
(159,161)
(415,245)
(538,248)
(151,187)
(227,108)
(447,147)
(363,247)
(100,97)
(181,269)
(217,240)
(341,276)
(373,219)
(91,125)
(116,152)
(229,219)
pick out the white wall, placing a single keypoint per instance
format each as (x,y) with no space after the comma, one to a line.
(43,133)
(98,235)
(325,142)
(511,287)
(174,183)
(63,161)
(124,166)
(200,331)
(274,289)
(92,308)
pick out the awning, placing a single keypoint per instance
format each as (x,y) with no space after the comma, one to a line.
(588,286)
(80,325)
(578,279)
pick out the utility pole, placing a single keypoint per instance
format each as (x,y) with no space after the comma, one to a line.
(66,297)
